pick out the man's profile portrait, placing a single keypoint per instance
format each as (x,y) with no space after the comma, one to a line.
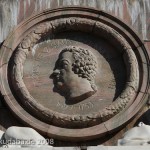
(74,73)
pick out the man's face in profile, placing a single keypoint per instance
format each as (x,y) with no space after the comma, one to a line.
(63,74)
(71,75)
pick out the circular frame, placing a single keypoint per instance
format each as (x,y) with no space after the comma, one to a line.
(120,103)
(86,20)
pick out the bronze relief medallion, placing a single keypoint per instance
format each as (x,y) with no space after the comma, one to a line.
(74,76)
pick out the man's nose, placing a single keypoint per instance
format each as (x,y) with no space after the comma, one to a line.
(55,73)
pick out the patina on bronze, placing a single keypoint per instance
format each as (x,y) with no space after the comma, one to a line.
(74,77)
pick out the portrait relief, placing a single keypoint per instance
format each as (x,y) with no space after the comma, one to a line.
(77,75)
(74,73)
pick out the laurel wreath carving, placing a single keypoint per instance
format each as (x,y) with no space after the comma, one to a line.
(75,23)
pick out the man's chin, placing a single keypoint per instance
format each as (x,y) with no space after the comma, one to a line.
(60,89)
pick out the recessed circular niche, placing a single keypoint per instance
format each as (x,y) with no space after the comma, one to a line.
(74,76)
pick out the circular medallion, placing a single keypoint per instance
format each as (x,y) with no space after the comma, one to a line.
(74,73)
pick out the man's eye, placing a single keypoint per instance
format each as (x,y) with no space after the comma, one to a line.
(65,65)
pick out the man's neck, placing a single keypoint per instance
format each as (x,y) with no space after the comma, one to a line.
(81,88)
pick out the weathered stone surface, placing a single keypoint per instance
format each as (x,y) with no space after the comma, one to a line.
(119,148)
(136,136)
(99,147)
(43,148)
(22,137)
(90,148)
(132,12)
(24,134)
(34,59)
(135,13)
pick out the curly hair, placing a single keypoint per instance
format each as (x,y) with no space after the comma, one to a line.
(84,65)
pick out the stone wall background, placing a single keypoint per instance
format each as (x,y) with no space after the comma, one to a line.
(135,13)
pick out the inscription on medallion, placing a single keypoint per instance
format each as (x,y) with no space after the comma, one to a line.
(35,75)
(88,105)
